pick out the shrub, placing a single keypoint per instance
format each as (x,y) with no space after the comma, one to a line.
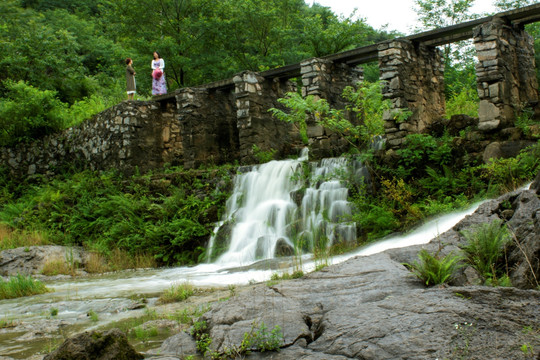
(434,270)
(464,102)
(485,246)
(365,101)
(20,285)
(27,113)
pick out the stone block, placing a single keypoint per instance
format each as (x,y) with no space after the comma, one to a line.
(389,52)
(395,84)
(315,131)
(486,45)
(166,134)
(487,55)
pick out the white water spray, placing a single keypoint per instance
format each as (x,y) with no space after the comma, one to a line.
(272,211)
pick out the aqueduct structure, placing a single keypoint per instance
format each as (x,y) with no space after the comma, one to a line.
(221,121)
(412,67)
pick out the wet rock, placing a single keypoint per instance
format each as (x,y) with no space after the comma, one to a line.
(222,240)
(110,345)
(283,248)
(180,345)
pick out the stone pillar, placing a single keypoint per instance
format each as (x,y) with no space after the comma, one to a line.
(505,73)
(414,76)
(325,79)
(254,97)
(208,127)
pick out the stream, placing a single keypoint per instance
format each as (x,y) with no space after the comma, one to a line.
(111,296)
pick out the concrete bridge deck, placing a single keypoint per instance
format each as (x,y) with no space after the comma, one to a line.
(365,54)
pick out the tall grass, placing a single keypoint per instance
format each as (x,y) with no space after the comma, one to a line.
(176,293)
(13,238)
(20,285)
(433,269)
(485,247)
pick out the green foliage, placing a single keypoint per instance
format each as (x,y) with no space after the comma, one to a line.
(176,293)
(365,101)
(169,220)
(484,248)
(27,113)
(326,34)
(429,181)
(525,120)
(19,286)
(263,156)
(93,315)
(261,340)
(421,150)
(508,174)
(465,101)
(75,48)
(433,269)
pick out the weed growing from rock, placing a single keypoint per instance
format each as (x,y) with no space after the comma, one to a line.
(93,315)
(485,247)
(434,269)
(177,292)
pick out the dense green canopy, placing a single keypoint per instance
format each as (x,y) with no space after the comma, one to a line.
(62,61)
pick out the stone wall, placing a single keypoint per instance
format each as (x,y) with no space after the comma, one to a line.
(414,76)
(254,96)
(208,123)
(128,136)
(325,79)
(506,77)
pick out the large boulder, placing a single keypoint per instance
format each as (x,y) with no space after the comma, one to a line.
(94,345)
(504,149)
(30,260)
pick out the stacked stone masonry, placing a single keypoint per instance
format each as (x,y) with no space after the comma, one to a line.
(506,76)
(129,136)
(414,81)
(324,79)
(208,125)
(217,125)
(255,96)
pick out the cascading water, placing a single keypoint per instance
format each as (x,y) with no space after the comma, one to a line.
(274,211)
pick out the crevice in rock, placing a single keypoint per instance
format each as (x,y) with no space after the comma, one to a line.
(277,291)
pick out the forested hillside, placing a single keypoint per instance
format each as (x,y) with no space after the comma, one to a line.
(62,61)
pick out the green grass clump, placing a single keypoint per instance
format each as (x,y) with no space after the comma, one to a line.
(19,286)
(433,269)
(485,247)
(176,293)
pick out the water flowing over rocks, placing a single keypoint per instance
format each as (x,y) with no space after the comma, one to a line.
(371,307)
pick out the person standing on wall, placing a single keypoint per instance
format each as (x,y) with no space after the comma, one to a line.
(159,86)
(130,79)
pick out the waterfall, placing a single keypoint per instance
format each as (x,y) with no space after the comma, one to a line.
(284,208)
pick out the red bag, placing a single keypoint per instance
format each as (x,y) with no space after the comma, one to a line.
(157,73)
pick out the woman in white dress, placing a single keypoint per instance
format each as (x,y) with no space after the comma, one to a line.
(159,86)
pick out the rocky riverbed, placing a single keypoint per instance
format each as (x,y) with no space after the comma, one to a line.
(371,307)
